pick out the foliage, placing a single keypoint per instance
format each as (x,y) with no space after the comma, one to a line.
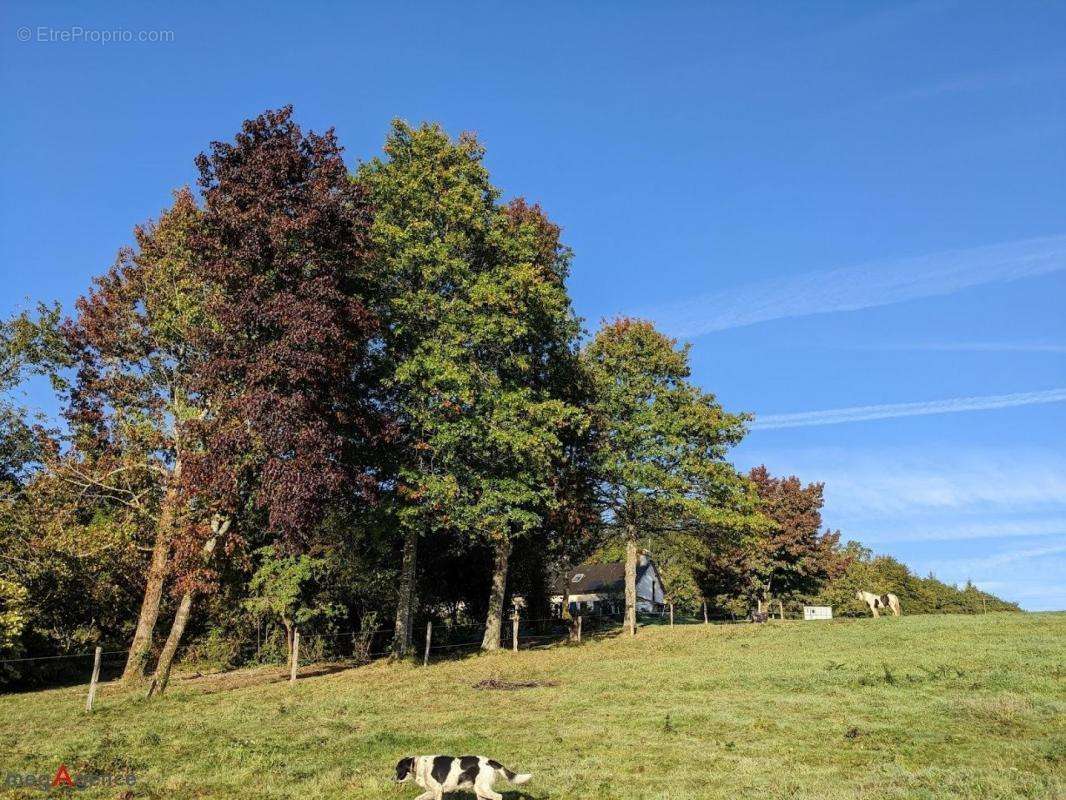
(13,614)
(69,561)
(787,559)
(478,338)
(880,574)
(132,348)
(660,440)
(658,453)
(286,353)
(287,587)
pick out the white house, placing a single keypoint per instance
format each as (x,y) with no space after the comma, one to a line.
(600,588)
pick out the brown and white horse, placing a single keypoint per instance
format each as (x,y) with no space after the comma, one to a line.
(882,601)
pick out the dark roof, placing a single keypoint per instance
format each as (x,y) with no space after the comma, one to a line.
(597,579)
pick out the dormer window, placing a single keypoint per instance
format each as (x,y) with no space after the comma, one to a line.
(577,577)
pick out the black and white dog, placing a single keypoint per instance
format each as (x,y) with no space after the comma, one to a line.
(441,774)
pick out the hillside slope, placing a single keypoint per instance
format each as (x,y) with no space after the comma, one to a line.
(919,707)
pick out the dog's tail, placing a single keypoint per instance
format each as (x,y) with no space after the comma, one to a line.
(522,777)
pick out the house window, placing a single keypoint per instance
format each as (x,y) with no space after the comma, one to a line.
(577,577)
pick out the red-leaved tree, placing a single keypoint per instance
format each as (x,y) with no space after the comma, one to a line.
(791,558)
(286,374)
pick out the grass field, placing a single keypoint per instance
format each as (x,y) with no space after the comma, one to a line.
(918,707)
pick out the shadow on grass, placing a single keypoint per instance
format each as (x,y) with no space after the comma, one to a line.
(64,673)
(544,637)
(227,681)
(512,795)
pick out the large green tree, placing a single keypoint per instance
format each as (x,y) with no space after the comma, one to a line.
(478,336)
(660,446)
(530,411)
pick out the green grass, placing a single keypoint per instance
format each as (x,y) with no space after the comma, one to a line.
(918,707)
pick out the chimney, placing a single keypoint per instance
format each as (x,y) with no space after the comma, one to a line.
(643,559)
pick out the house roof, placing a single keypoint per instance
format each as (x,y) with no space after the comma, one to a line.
(597,578)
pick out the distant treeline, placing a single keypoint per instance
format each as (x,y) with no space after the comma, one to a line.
(917,595)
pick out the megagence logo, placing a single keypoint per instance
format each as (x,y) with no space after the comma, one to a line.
(64,778)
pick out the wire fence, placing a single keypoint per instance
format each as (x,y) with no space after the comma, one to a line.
(444,629)
(442,641)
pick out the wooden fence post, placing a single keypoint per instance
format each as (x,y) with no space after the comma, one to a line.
(514,630)
(93,680)
(295,655)
(580,618)
(705,622)
(781,608)
(429,639)
(671,615)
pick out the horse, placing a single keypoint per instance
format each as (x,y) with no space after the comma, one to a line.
(876,601)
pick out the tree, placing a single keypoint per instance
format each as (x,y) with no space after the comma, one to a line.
(133,349)
(789,558)
(432,214)
(477,328)
(526,335)
(69,547)
(284,586)
(660,445)
(286,371)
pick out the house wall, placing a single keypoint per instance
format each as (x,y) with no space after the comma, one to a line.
(649,591)
(590,603)
(649,597)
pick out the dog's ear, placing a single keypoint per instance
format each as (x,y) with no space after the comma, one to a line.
(404,767)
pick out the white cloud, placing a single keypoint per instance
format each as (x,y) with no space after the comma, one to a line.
(965,347)
(979,82)
(863,286)
(924,531)
(927,489)
(1002,559)
(835,416)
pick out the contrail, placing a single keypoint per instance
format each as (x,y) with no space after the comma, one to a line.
(962,347)
(1010,556)
(836,416)
(864,286)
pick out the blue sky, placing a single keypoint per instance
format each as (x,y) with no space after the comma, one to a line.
(842,205)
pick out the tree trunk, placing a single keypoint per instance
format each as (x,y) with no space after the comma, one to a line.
(564,611)
(137,661)
(161,676)
(141,648)
(403,641)
(631,581)
(494,618)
